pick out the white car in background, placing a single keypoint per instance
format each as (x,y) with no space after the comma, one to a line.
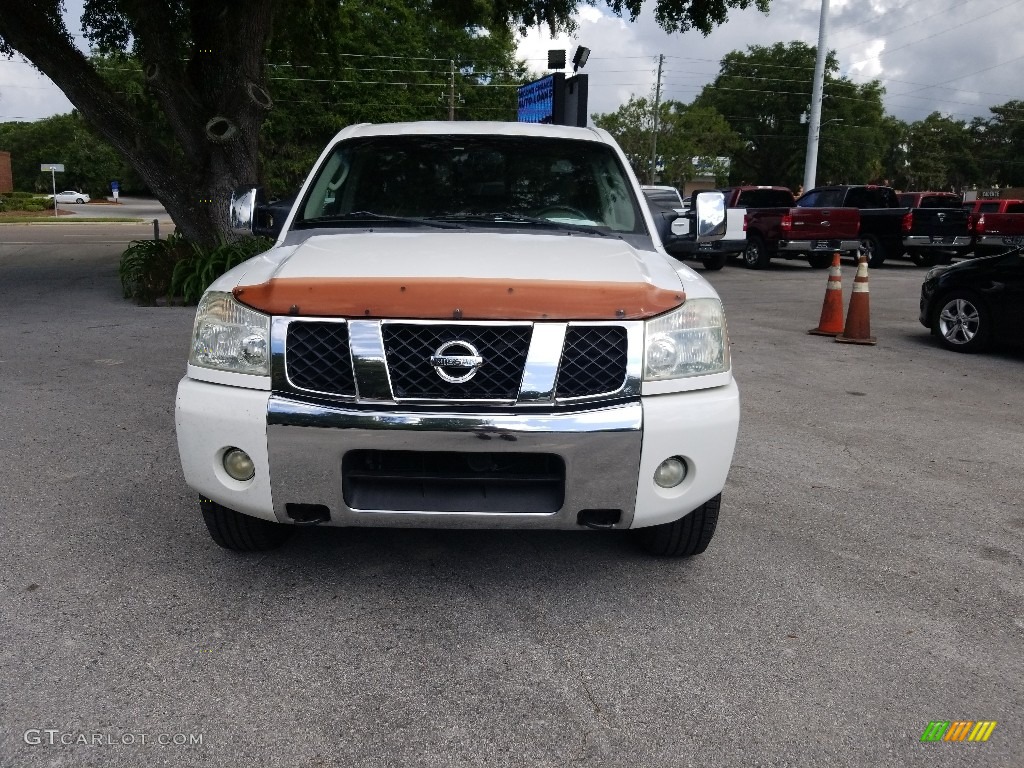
(71,197)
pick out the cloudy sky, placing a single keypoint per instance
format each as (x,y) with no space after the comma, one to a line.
(957,57)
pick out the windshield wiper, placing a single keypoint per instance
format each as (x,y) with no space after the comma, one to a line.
(505,217)
(362,215)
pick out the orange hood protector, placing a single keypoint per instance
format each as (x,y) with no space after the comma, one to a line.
(459,298)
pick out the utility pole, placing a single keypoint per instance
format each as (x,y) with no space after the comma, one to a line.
(814,123)
(451,90)
(657,114)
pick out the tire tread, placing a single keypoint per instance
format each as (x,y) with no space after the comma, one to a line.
(242,533)
(688,536)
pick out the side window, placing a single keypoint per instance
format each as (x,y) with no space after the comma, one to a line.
(862,198)
(988,208)
(823,198)
(1015,208)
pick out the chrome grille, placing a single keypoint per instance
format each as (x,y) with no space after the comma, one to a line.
(593,361)
(318,359)
(408,348)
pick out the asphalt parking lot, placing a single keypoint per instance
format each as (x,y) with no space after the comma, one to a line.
(865,578)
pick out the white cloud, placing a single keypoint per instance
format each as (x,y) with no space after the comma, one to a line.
(919,51)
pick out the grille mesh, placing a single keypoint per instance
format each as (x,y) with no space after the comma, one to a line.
(593,361)
(503,348)
(318,357)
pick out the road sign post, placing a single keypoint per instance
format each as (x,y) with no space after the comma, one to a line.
(54,169)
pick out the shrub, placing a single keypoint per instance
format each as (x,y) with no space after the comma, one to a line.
(147,266)
(194,274)
(176,268)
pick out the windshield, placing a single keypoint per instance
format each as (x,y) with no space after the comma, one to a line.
(522,181)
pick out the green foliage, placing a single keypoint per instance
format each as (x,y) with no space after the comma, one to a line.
(685,134)
(25,201)
(147,267)
(178,269)
(765,94)
(379,62)
(90,162)
(193,274)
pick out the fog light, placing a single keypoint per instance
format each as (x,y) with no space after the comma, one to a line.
(670,473)
(238,464)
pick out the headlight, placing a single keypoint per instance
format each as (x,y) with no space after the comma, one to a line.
(934,272)
(689,341)
(228,336)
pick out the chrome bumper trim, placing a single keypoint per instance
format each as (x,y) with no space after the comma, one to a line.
(600,447)
(804,246)
(999,240)
(918,241)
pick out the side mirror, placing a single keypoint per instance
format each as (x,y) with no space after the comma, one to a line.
(242,211)
(709,207)
(270,217)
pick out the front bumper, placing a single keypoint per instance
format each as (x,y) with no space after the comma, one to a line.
(609,454)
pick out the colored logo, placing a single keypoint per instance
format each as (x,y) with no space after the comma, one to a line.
(958,730)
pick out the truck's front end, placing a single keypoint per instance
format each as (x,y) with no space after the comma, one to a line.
(462,327)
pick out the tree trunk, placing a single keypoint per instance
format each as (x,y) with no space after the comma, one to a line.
(212,94)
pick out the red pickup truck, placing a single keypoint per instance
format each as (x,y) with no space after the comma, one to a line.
(775,227)
(998,232)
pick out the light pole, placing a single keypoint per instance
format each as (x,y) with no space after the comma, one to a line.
(813,124)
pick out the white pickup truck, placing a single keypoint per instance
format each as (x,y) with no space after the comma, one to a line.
(462,325)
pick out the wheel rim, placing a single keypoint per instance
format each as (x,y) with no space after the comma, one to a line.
(752,255)
(959,321)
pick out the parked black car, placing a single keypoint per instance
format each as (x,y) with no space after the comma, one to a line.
(976,302)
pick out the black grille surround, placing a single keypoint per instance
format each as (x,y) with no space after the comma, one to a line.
(593,361)
(409,346)
(318,359)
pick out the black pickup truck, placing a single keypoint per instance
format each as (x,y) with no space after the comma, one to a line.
(881,216)
(938,227)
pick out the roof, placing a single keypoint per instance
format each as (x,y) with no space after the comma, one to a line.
(473,128)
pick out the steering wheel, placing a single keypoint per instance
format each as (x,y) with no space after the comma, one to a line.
(547,213)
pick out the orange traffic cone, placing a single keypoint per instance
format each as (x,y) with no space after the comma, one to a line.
(858,319)
(831,322)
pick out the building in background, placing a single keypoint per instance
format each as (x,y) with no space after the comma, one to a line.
(6,178)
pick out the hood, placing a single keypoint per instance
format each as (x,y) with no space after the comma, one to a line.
(462,275)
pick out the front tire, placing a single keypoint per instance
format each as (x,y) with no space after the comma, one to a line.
(80,201)
(242,533)
(686,536)
(756,254)
(715,262)
(962,322)
(924,259)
